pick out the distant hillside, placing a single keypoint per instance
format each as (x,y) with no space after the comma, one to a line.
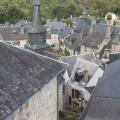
(14,10)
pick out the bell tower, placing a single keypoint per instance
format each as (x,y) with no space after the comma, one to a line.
(85,12)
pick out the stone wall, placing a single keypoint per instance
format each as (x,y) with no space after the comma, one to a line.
(41,106)
(115,48)
(86,49)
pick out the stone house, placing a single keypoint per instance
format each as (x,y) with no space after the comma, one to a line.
(82,27)
(56,34)
(84,74)
(72,43)
(28,85)
(16,35)
(97,40)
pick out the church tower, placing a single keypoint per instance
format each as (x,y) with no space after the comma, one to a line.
(85,12)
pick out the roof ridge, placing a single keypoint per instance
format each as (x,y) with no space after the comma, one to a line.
(57,61)
(106,97)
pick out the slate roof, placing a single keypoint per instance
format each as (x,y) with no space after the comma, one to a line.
(114,57)
(89,57)
(56,25)
(116,39)
(61,33)
(94,39)
(101,28)
(7,32)
(73,41)
(22,74)
(105,101)
(90,89)
(71,60)
(58,28)
(51,55)
(115,32)
(82,25)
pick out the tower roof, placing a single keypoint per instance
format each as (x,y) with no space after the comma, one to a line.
(85,12)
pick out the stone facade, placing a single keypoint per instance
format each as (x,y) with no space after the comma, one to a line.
(115,47)
(41,106)
(73,100)
(60,101)
(54,41)
(85,49)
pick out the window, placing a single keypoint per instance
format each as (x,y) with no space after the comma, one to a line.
(77,94)
(64,89)
(72,93)
(73,52)
(69,100)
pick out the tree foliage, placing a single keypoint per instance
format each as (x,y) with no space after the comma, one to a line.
(14,10)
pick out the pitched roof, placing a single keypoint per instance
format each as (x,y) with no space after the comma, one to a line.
(51,55)
(94,39)
(22,74)
(105,101)
(116,39)
(114,56)
(71,60)
(73,41)
(7,32)
(101,28)
(58,28)
(56,25)
(116,31)
(82,25)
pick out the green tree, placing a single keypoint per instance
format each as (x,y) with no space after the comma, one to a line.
(13,10)
(13,14)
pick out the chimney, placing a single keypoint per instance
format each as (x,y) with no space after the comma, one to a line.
(36,22)
(86,76)
(22,32)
